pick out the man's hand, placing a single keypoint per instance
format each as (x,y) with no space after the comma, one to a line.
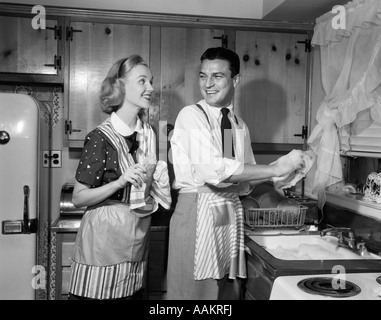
(291,162)
(290,179)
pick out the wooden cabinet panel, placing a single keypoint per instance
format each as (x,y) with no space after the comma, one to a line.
(67,252)
(181,49)
(272,94)
(26,51)
(258,285)
(65,280)
(93,50)
(63,248)
(157,264)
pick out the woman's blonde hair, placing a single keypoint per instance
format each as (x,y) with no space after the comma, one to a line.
(112,89)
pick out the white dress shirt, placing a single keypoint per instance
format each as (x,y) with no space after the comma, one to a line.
(197,149)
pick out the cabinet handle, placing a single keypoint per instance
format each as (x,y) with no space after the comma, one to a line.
(69,129)
(307,45)
(303,134)
(69,33)
(57,32)
(57,63)
(224,40)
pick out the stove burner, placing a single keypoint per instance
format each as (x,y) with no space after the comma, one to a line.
(323,286)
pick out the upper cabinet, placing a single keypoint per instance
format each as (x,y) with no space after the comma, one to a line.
(29,54)
(273,94)
(78,47)
(93,49)
(180,52)
(174,57)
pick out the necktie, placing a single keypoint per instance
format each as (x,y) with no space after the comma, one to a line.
(226,133)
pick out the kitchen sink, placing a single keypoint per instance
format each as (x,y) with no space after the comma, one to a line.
(273,258)
(307,247)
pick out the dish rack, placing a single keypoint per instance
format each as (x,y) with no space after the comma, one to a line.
(275,217)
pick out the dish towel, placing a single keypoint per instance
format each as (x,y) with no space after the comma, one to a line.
(160,190)
(220,248)
(291,179)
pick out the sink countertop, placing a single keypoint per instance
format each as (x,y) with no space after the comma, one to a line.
(355,203)
(277,267)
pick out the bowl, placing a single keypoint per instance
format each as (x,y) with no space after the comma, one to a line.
(249,203)
(288,204)
(291,210)
(269,199)
(263,188)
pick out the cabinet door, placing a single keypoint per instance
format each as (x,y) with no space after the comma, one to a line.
(181,49)
(157,264)
(273,90)
(93,50)
(30,54)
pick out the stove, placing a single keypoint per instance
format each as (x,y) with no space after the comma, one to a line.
(350,286)
(70,217)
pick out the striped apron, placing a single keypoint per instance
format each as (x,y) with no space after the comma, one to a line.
(220,246)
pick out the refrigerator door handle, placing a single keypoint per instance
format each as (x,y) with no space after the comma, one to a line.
(30,225)
(25,226)
(26,209)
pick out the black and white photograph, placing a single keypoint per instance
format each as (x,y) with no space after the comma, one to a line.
(191,156)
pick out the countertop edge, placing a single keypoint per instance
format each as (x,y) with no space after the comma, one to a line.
(347,201)
(73,230)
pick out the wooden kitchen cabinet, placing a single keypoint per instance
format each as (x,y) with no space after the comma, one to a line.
(258,284)
(30,55)
(174,57)
(273,94)
(93,48)
(62,250)
(180,52)
(157,263)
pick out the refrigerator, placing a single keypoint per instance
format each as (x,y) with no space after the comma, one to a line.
(24,197)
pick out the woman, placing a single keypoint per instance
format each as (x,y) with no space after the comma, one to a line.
(121,184)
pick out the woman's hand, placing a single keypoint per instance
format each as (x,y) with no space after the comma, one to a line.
(149,164)
(135,175)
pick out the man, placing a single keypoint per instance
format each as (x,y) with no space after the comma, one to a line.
(206,250)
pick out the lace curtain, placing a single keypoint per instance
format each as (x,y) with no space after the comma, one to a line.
(351,78)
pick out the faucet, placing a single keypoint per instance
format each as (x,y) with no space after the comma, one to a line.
(346,239)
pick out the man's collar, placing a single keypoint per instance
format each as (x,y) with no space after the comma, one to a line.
(216,111)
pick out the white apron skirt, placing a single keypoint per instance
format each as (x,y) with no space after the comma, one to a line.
(111,252)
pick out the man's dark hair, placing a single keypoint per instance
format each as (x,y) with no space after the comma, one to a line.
(223,54)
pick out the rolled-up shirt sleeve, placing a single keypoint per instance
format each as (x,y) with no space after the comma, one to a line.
(245,187)
(196,150)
